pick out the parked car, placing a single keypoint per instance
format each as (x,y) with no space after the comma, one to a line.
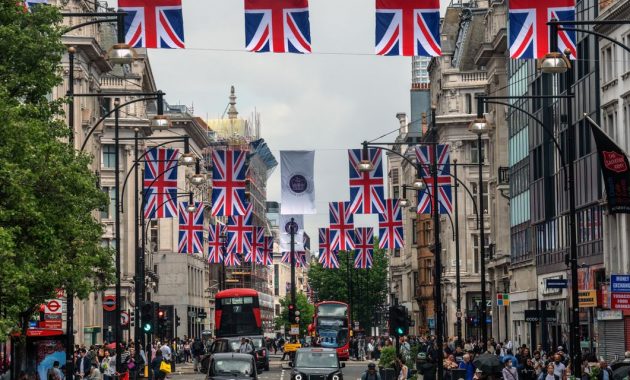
(316,364)
(232,366)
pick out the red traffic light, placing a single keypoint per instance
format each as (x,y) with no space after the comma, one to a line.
(160,313)
(291,307)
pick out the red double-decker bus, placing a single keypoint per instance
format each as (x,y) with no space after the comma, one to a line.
(332,327)
(237,313)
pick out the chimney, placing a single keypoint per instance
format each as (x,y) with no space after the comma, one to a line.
(402,119)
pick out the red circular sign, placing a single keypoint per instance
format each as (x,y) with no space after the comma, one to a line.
(109,303)
(53,306)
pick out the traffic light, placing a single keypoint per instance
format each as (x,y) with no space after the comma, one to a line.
(398,321)
(161,314)
(292,311)
(177,321)
(147,317)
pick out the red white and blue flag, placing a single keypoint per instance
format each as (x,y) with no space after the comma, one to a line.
(364,241)
(231,259)
(279,26)
(229,170)
(266,257)
(408,27)
(239,233)
(216,246)
(341,226)
(258,245)
(190,229)
(424,155)
(28,4)
(367,191)
(300,258)
(160,183)
(528,29)
(390,226)
(153,23)
(327,257)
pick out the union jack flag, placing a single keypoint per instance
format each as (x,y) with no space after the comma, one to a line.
(364,239)
(279,26)
(160,183)
(266,257)
(342,226)
(216,246)
(528,29)
(231,259)
(390,226)
(327,257)
(153,23)
(408,27)
(190,229)
(367,190)
(239,232)
(228,182)
(300,258)
(258,245)
(28,4)
(424,155)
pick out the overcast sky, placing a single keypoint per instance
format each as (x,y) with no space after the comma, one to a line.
(323,102)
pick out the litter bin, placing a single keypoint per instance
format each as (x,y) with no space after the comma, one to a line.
(458,374)
(388,374)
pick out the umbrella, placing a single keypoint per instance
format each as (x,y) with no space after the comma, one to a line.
(509,357)
(111,346)
(617,365)
(621,372)
(488,363)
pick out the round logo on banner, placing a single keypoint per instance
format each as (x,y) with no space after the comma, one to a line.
(291,226)
(298,184)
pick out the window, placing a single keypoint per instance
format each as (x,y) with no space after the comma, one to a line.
(468,99)
(473,188)
(397,252)
(153,236)
(477,253)
(428,271)
(626,123)
(106,106)
(108,211)
(394,176)
(609,120)
(608,64)
(474,153)
(396,192)
(109,156)
(626,54)
(414,233)
(276,280)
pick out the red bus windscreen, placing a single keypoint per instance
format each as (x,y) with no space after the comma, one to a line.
(237,313)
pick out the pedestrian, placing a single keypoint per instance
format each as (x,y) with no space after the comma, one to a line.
(371,373)
(108,366)
(558,366)
(605,372)
(467,364)
(83,365)
(197,352)
(527,371)
(509,372)
(55,373)
(186,351)
(549,375)
(155,366)
(403,370)
(95,373)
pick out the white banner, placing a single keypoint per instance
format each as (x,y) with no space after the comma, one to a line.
(297,182)
(285,236)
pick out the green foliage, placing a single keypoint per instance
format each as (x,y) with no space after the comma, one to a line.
(388,357)
(303,306)
(49,238)
(369,286)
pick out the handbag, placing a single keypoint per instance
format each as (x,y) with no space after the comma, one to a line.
(165,367)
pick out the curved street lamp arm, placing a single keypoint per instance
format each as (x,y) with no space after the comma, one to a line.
(545,129)
(560,25)
(118,17)
(122,194)
(108,114)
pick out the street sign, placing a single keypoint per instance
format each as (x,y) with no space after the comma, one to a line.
(295,330)
(503,299)
(588,298)
(609,315)
(620,283)
(53,306)
(109,303)
(538,315)
(124,318)
(620,301)
(557,283)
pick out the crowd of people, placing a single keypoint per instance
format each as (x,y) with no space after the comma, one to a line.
(498,360)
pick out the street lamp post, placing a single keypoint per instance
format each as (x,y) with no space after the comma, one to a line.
(458,284)
(479,128)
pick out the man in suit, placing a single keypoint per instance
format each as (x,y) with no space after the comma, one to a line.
(82,367)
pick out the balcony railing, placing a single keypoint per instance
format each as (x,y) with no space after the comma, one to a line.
(504,175)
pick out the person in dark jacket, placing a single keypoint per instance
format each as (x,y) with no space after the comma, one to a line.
(527,371)
(155,366)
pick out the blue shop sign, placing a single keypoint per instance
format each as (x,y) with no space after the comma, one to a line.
(620,283)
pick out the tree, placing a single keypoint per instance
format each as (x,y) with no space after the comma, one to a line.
(305,308)
(49,237)
(369,285)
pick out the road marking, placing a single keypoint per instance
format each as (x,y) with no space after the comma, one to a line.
(282,375)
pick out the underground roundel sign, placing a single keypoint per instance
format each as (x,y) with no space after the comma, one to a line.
(109,303)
